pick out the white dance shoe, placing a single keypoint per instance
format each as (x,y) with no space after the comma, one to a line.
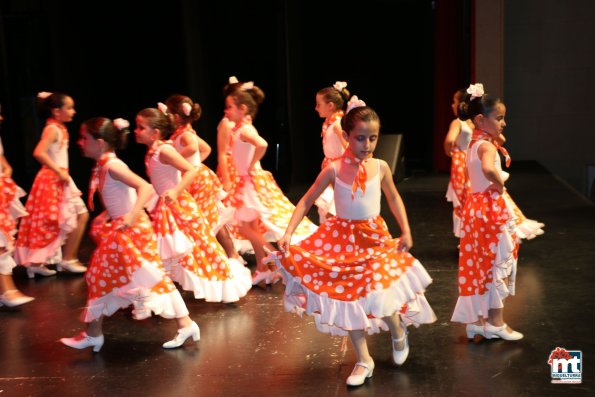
(399,356)
(358,380)
(184,333)
(41,270)
(8,301)
(492,332)
(83,340)
(72,266)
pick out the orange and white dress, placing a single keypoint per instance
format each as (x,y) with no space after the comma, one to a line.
(11,209)
(52,206)
(206,189)
(350,273)
(125,267)
(333,149)
(488,252)
(256,195)
(187,245)
(458,186)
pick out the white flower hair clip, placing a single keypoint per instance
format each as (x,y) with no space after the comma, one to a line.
(186,109)
(161,106)
(43,94)
(121,123)
(339,85)
(354,102)
(247,86)
(476,90)
(233,80)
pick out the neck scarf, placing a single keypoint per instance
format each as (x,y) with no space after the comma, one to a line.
(330,120)
(180,131)
(479,135)
(97,177)
(361,176)
(62,127)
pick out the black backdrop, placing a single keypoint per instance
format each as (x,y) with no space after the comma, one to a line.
(122,56)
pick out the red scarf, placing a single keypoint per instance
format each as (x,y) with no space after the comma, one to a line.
(97,178)
(180,131)
(361,176)
(330,120)
(482,135)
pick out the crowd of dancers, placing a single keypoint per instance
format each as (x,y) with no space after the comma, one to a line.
(188,226)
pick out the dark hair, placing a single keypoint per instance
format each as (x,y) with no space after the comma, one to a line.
(251,97)
(158,120)
(334,96)
(175,104)
(360,113)
(471,107)
(53,101)
(230,88)
(104,128)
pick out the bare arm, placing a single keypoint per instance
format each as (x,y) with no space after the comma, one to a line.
(397,207)
(339,132)
(451,136)
(487,154)
(189,145)
(6,168)
(168,155)
(324,179)
(223,134)
(144,190)
(49,136)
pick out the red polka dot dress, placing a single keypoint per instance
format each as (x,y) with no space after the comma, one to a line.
(255,194)
(11,209)
(458,186)
(125,268)
(488,252)
(187,245)
(350,273)
(52,206)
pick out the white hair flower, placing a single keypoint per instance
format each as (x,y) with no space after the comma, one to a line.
(233,80)
(43,94)
(161,106)
(354,102)
(339,85)
(476,90)
(247,86)
(120,123)
(186,108)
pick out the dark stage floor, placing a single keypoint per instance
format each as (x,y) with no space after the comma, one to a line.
(254,348)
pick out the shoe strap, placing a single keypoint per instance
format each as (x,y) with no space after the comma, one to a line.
(363,365)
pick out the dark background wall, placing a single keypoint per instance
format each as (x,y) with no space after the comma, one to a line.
(122,56)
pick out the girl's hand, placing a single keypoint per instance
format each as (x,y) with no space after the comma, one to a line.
(63,175)
(126,221)
(406,242)
(170,195)
(284,243)
(227,186)
(494,187)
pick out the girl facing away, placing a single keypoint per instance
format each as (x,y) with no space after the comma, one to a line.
(489,244)
(351,274)
(261,210)
(125,267)
(329,105)
(51,233)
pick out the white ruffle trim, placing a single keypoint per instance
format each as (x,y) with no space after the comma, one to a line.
(138,292)
(451,196)
(469,308)
(336,317)
(229,290)
(7,262)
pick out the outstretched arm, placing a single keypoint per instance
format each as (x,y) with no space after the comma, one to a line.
(325,178)
(397,207)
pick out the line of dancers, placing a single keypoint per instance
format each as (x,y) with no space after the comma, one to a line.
(186,228)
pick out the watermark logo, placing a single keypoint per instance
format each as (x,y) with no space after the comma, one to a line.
(566,365)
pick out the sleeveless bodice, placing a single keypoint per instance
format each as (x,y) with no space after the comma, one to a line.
(58,151)
(464,136)
(117,197)
(163,176)
(331,143)
(479,182)
(362,206)
(242,152)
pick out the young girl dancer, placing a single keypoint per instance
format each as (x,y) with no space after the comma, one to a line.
(189,250)
(489,245)
(257,199)
(329,105)
(57,214)
(125,268)
(351,275)
(11,209)
(455,146)
(206,188)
